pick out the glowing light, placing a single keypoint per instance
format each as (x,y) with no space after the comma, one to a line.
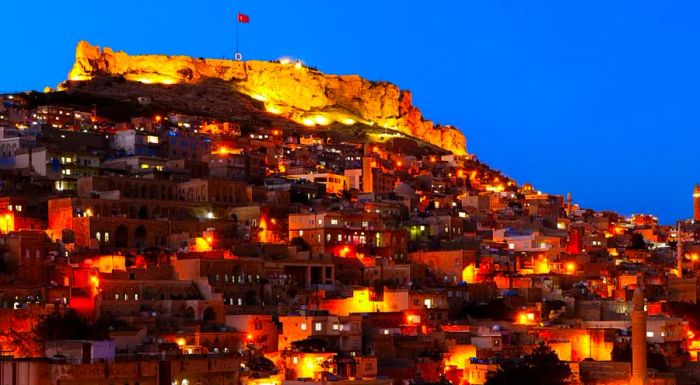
(469,274)
(348,121)
(570,267)
(321,120)
(201,245)
(298,65)
(210,215)
(95,281)
(542,266)
(526,318)
(157,118)
(258,97)
(308,122)
(249,337)
(181,342)
(7,223)
(273,109)
(285,60)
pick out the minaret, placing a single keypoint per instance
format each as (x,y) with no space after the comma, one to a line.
(679,251)
(639,339)
(696,203)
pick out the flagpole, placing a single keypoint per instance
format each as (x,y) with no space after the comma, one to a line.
(237,23)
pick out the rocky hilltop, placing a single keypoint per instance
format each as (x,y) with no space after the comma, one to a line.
(288,89)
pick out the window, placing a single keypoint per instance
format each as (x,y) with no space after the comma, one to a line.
(136,297)
(98,236)
(303,326)
(336,327)
(318,326)
(340,237)
(650,334)
(106,237)
(116,296)
(334,221)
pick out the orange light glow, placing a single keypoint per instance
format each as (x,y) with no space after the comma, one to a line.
(570,267)
(525,318)
(542,266)
(181,342)
(95,281)
(469,274)
(157,118)
(249,337)
(459,355)
(202,245)
(7,223)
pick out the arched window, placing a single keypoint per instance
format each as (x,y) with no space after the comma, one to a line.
(98,236)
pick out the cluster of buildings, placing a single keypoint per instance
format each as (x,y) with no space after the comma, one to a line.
(195,251)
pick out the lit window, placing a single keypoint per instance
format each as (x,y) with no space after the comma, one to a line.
(650,334)
(136,297)
(318,326)
(116,296)
(334,221)
(152,139)
(145,166)
(336,327)
(303,326)
(428,303)
(106,237)
(98,236)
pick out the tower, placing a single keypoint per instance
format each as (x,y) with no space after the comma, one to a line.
(639,339)
(679,251)
(696,203)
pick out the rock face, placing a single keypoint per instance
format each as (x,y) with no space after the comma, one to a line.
(289,89)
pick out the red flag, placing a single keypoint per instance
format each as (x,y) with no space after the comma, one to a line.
(243,18)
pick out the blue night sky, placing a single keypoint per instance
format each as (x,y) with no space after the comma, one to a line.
(597,98)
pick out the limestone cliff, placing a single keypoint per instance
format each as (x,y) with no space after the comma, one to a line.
(288,89)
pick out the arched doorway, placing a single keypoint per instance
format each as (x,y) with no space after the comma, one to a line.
(209,315)
(140,237)
(121,236)
(189,313)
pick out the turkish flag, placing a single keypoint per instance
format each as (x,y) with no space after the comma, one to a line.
(243,18)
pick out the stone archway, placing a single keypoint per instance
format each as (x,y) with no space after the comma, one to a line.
(209,315)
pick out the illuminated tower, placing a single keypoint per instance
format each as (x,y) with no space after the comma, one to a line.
(639,339)
(679,251)
(696,203)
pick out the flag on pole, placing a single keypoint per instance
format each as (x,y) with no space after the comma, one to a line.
(242,18)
